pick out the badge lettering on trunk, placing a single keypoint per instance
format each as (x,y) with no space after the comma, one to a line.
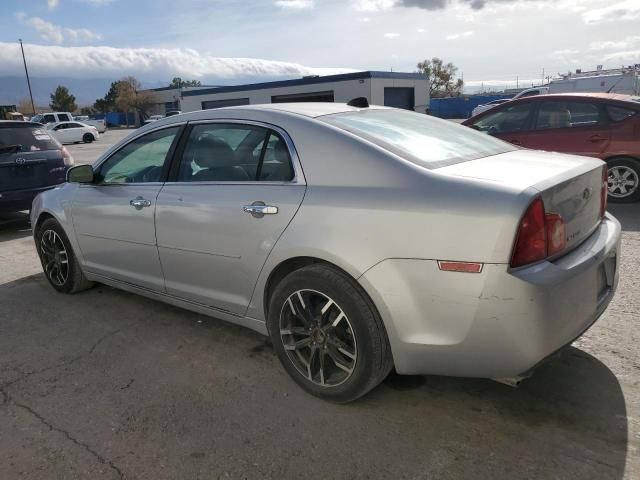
(20,161)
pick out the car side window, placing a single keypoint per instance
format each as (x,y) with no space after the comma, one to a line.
(617,114)
(234,153)
(510,119)
(141,160)
(562,114)
(48,118)
(62,126)
(64,117)
(74,125)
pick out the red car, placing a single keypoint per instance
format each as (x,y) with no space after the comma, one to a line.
(600,125)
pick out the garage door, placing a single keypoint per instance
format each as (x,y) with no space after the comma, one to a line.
(304,97)
(399,97)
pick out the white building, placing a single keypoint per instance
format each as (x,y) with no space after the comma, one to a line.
(403,90)
(620,80)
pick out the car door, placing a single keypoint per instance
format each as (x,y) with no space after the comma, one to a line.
(570,126)
(61,133)
(234,189)
(74,132)
(114,217)
(509,122)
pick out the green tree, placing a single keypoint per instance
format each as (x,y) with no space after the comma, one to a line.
(441,77)
(177,82)
(108,102)
(62,100)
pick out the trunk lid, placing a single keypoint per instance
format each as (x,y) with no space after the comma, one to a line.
(569,185)
(37,162)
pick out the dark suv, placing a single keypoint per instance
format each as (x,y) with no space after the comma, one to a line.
(31,161)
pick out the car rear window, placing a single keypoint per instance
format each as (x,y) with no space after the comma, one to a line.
(422,139)
(31,139)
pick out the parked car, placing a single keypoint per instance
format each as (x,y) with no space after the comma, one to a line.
(531,92)
(52,117)
(486,106)
(73,132)
(31,161)
(100,124)
(358,239)
(153,118)
(171,113)
(605,126)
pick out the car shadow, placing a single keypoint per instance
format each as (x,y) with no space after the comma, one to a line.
(14,226)
(628,214)
(569,420)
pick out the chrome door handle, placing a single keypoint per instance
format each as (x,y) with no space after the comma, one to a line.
(259,209)
(139,203)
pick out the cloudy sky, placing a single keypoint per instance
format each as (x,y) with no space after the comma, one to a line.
(223,40)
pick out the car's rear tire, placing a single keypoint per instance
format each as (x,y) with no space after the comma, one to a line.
(59,263)
(327,334)
(624,180)
(87,138)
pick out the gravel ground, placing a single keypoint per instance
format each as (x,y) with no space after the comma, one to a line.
(109,385)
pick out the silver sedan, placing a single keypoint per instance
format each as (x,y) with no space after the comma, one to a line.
(358,239)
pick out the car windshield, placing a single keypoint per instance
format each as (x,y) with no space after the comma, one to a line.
(424,140)
(26,139)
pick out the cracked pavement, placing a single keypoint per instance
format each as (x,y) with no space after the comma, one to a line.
(109,385)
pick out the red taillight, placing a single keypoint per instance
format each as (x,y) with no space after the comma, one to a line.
(540,235)
(531,242)
(604,191)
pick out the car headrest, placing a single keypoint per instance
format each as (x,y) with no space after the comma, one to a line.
(212,152)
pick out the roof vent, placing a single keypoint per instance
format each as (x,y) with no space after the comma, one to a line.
(360,102)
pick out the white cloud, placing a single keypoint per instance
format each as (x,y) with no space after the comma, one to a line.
(56,33)
(295,4)
(148,64)
(457,36)
(627,43)
(625,10)
(52,4)
(97,3)
(373,5)
(391,35)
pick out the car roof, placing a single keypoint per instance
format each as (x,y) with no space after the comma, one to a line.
(587,95)
(308,109)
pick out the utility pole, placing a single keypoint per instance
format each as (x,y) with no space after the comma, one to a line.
(517,82)
(542,76)
(33,107)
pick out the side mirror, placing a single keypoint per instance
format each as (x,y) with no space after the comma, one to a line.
(80,174)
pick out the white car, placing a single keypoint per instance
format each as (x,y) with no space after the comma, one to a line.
(153,118)
(73,132)
(101,124)
(486,106)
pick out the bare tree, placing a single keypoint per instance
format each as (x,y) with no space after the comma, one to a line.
(131,98)
(441,77)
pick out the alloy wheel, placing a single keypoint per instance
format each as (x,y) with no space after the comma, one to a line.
(318,338)
(623,181)
(55,259)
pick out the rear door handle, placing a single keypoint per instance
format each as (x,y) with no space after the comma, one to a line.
(139,203)
(259,209)
(597,138)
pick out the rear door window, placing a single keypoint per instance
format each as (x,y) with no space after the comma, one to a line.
(63,117)
(563,114)
(618,114)
(49,118)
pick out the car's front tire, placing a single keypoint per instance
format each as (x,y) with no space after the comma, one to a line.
(327,334)
(624,180)
(58,260)
(87,138)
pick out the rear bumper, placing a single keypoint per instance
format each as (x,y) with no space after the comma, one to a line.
(16,200)
(499,323)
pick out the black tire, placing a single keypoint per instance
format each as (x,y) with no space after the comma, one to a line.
(87,138)
(630,191)
(71,278)
(373,360)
